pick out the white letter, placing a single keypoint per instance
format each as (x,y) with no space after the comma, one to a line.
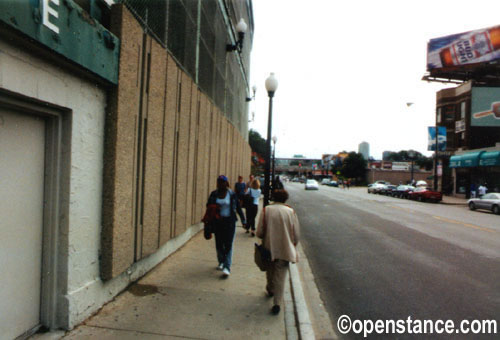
(48,10)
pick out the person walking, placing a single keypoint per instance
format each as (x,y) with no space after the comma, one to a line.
(250,180)
(279,228)
(473,190)
(240,188)
(225,226)
(482,190)
(252,209)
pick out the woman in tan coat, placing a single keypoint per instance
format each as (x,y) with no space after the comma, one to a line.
(279,228)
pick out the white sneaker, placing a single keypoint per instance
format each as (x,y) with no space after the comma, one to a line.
(226,272)
(220,266)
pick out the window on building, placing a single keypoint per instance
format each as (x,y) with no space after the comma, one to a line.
(462,110)
(438,118)
(449,113)
(463,135)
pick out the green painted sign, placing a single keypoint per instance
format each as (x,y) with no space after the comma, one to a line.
(64,27)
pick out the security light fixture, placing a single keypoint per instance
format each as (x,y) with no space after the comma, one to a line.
(241,29)
(248,98)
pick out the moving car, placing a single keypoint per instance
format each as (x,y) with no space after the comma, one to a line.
(403,191)
(311,184)
(325,181)
(333,184)
(423,194)
(489,201)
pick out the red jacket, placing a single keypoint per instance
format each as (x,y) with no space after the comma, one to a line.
(211,214)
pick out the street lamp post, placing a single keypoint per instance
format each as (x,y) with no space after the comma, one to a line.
(411,154)
(271,86)
(275,139)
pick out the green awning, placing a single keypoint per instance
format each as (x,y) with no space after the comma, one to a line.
(466,160)
(491,158)
(470,159)
(455,161)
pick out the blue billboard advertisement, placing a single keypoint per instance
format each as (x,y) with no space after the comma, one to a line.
(464,48)
(441,138)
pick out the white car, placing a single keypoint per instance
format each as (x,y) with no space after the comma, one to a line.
(311,184)
(489,201)
(325,181)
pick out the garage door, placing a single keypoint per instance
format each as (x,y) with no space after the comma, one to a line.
(22,150)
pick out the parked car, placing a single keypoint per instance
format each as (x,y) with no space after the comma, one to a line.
(325,181)
(387,189)
(375,188)
(333,184)
(402,191)
(311,184)
(423,194)
(421,184)
(489,201)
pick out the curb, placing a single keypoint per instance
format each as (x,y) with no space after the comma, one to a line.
(303,321)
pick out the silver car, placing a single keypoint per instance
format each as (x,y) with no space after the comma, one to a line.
(489,201)
(311,184)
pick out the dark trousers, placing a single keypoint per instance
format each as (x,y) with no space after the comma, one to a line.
(251,214)
(276,278)
(224,237)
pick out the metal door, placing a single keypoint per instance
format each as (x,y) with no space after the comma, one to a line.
(22,152)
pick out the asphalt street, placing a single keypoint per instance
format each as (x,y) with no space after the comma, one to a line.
(381,258)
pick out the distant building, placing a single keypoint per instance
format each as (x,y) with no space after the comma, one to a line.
(385,155)
(364,149)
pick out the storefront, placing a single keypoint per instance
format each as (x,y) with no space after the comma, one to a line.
(474,168)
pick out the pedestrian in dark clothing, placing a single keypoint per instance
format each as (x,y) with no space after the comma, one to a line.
(253,208)
(225,226)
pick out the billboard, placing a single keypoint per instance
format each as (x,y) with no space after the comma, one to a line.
(485,106)
(464,48)
(431,145)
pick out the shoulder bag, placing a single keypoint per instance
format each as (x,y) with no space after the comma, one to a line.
(262,256)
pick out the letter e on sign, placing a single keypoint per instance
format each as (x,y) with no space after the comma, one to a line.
(47,12)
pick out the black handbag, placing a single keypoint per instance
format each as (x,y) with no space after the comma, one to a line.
(262,257)
(247,200)
(208,230)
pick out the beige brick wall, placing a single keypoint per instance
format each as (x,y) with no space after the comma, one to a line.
(154,143)
(187,142)
(118,230)
(169,133)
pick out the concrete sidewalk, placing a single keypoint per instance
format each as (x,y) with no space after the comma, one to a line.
(186,297)
(454,200)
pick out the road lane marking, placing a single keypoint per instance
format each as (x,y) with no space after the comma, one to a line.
(465,224)
(401,208)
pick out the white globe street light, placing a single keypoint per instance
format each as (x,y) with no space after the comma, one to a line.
(271,87)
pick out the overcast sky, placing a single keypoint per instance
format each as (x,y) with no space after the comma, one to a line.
(346,70)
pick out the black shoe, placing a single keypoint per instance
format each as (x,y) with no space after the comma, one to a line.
(253,234)
(276,309)
(269,293)
(247,231)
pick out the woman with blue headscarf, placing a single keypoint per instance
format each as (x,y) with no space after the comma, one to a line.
(228,206)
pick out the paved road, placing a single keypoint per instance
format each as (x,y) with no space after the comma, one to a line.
(376,257)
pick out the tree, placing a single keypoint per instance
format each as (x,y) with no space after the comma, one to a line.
(354,166)
(257,143)
(418,158)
